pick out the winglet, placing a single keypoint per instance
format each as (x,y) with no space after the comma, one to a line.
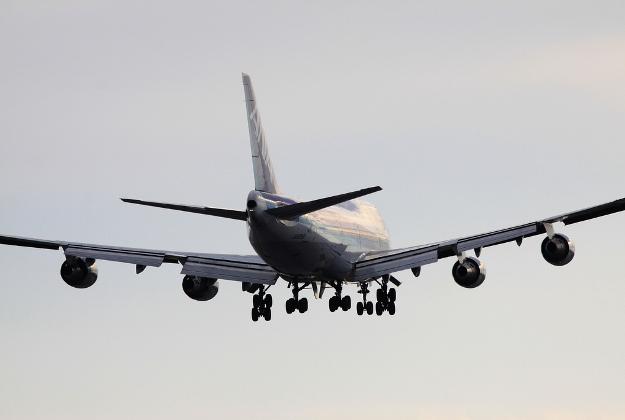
(263,170)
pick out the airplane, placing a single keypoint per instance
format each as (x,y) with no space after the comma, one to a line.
(325,243)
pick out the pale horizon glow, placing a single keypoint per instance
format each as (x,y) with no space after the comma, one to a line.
(472,117)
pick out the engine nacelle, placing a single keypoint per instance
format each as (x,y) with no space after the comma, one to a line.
(558,250)
(200,288)
(79,272)
(471,273)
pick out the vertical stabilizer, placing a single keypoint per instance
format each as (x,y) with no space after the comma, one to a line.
(263,170)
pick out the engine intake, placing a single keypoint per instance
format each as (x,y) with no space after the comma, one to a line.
(79,272)
(559,250)
(200,288)
(471,273)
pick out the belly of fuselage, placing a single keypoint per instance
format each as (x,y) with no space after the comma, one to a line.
(322,244)
(290,251)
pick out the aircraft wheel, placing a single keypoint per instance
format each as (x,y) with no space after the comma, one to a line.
(333,304)
(268,301)
(267,314)
(254,314)
(256,300)
(392,294)
(369,308)
(391,308)
(381,295)
(346,303)
(290,306)
(379,308)
(302,305)
(360,308)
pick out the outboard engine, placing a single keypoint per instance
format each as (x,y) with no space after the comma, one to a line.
(79,272)
(200,288)
(559,250)
(470,273)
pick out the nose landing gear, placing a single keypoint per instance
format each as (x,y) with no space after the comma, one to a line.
(365,305)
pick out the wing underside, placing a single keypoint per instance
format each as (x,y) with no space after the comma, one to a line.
(379,263)
(252,269)
(244,268)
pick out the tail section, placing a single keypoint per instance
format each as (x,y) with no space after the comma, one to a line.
(263,170)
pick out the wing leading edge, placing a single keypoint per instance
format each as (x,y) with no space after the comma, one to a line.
(379,263)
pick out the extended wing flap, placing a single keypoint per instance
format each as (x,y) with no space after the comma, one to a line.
(497,237)
(247,268)
(139,258)
(386,262)
(378,263)
(251,272)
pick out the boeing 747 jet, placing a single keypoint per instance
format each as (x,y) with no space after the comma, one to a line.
(325,243)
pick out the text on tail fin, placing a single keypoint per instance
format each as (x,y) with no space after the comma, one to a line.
(263,170)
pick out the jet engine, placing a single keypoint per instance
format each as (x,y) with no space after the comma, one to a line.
(470,273)
(200,288)
(559,250)
(79,272)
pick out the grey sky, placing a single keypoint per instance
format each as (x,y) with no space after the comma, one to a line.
(472,117)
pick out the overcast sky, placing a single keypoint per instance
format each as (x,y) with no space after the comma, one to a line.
(471,116)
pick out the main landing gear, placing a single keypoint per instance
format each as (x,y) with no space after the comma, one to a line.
(365,305)
(386,297)
(262,305)
(295,303)
(336,301)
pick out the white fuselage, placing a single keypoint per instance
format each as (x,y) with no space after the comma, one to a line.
(319,245)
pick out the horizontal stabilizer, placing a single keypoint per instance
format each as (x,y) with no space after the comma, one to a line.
(211,211)
(293,210)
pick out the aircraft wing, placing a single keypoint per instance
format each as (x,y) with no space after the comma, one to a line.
(244,268)
(379,263)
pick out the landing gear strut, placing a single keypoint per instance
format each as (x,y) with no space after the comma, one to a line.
(386,297)
(262,303)
(365,305)
(336,301)
(295,303)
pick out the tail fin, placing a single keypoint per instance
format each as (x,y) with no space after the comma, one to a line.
(263,170)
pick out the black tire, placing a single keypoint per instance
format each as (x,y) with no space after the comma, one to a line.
(360,308)
(391,308)
(254,314)
(392,295)
(302,305)
(332,304)
(290,306)
(369,308)
(267,314)
(380,295)
(256,301)
(379,309)
(268,301)
(346,303)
